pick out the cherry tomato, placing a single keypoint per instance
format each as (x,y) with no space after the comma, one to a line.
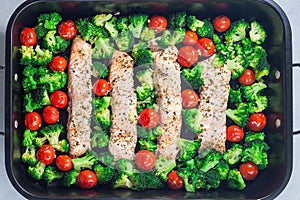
(46,154)
(189,98)
(174,181)
(190,38)
(247,78)
(234,133)
(158,23)
(67,29)
(149,118)
(145,160)
(87,179)
(248,170)
(101,87)
(59,99)
(50,114)
(187,56)
(28,37)
(58,63)
(206,47)
(64,163)
(221,23)
(257,122)
(33,121)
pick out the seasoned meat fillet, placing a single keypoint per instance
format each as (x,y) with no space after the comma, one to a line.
(213,103)
(168,86)
(80,97)
(123,131)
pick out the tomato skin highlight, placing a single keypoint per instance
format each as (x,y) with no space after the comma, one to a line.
(46,154)
(247,78)
(67,29)
(158,23)
(58,63)
(187,56)
(248,170)
(189,98)
(221,23)
(234,133)
(87,179)
(28,37)
(101,87)
(64,163)
(145,160)
(206,47)
(174,181)
(190,38)
(149,118)
(50,114)
(59,99)
(33,121)
(257,122)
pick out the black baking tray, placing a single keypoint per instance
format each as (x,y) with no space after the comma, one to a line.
(267,185)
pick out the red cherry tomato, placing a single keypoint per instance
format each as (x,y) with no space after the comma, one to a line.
(234,133)
(248,170)
(189,98)
(190,38)
(59,99)
(174,181)
(58,63)
(101,87)
(247,78)
(257,122)
(67,29)
(206,47)
(50,114)
(221,23)
(33,121)
(87,179)
(187,56)
(46,154)
(149,118)
(158,23)
(145,160)
(64,163)
(28,37)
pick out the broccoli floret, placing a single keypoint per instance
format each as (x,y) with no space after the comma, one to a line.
(104,173)
(148,144)
(219,60)
(163,167)
(136,24)
(237,31)
(237,66)
(101,69)
(37,170)
(145,180)
(142,57)
(52,79)
(40,141)
(125,165)
(147,34)
(101,103)
(51,174)
(70,178)
(257,33)
(223,168)
(35,56)
(171,38)
(212,179)
(147,133)
(263,69)
(122,24)
(252,136)
(260,104)
(233,154)
(145,77)
(252,92)
(206,30)
(239,115)
(27,54)
(177,21)
(193,76)
(29,103)
(258,53)
(103,118)
(40,31)
(193,178)
(121,180)
(235,96)
(124,41)
(192,118)
(210,160)
(144,92)
(101,19)
(193,23)
(105,158)
(99,140)
(28,157)
(103,48)
(235,180)
(50,20)
(256,152)
(85,162)
(188,149)
(36,99)
(55,43)
(110,26)
(63,146)
(29,82)
(29,137)
(52,133)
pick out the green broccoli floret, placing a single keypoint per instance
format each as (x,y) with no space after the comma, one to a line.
(105,158)
(70,178)
(52,133)
(235,180)
(122,24)
(110,26)
(235,96)
(42,56)
(145,77)
(223,168)
(103,48)
(51,174)
(147,34)
(256,152)
(142,132)
(99,140)
(193,76)
(36,99)
(147,144)
(177,21)
(121,180)
(193,178)
(193,23)
(136,24)
(124,41)
(252,92)
(237,31)
(163,167)
(101,69)
(142,57)
(29,82)
(192,118)
(63,146)
(209,160)
(28,157)
(253,136)
(27,54)
(234,154)
(104,173)
(40,141)
(125,165)
(212,179)
(219,60)
(260,104)
(171,38)
(239,115)
(101,19)
(145,180)
(188,149)
(51,79)
(85,162)
(29,103)
(49,20)
(256,55)
(37,170)
(206,30)
(144,92)
(40,31)
(103,118)
(29,137)
(257,33)
(101,103)
(263,69)
(237,66)
(55,43)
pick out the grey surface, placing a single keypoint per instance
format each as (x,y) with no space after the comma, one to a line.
(291,8)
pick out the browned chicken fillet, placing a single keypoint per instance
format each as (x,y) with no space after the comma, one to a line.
(213,103)
(168,86)
(80,97)
(123,131)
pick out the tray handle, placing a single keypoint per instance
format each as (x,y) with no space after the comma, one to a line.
(2,98)
(296,65)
